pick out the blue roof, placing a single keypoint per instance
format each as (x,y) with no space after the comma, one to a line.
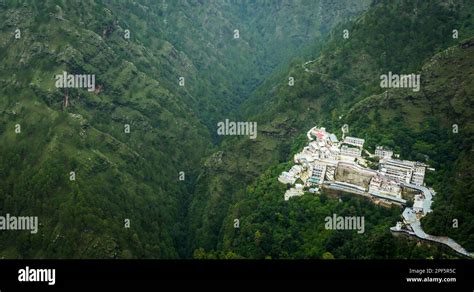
(333,138)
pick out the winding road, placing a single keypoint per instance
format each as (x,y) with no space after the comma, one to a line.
(410,218)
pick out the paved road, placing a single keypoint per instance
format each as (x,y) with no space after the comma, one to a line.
(426,192)
(410,217)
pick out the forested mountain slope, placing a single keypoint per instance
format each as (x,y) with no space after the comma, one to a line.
(232,45)
(119,175)
(86,162)
(415,125)
(134,168)
(434,125)
(397,36)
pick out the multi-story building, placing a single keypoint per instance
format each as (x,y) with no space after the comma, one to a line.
(381,152)
(303,157)
(418,176)
(314,147)
(286,178)
(350,151)
(317,174)
(397,170)
(291,176)
(403,171)
(354,141)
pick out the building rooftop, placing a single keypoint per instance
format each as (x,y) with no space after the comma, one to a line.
(333,138)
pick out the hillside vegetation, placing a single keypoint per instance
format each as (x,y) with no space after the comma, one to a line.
(342,86)
(67,156)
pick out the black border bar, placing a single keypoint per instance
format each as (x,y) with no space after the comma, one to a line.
(363,274)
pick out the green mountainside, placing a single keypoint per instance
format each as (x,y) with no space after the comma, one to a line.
(137,51)
(119,175)
(436,125)
(224,70)
(413,124)
(136,169)
(400,36)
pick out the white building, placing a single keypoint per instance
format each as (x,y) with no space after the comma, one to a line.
(303,157)
(286,178)
(404,171)
(354,141)
(397,170)
(291,176)
(313,147)
(296,170)
(381,152)
(418,176)
(317,174)
(418,204)
(350,151)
